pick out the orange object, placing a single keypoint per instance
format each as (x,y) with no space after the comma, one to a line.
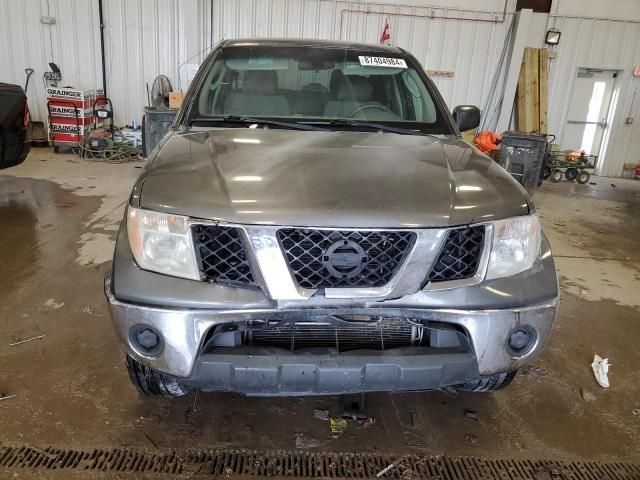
(175,99)
(574,156)
(487,141)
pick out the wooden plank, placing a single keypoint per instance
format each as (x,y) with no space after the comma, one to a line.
(521,118)
(544,89)
(529,92)
(532,94)
(534,69)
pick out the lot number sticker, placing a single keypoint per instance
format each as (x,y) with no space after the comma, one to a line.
(383,62)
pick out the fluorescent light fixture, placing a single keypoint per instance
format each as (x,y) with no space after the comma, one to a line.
(247,178)
(468,188)
(243,201)
(245,140)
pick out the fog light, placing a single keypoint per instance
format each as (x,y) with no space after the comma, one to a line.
(521,341)
(146,340)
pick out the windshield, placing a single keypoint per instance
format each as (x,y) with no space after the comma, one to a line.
(318,85)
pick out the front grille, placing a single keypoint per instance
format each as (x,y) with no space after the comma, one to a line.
(382,335)
(459,256)
(333,258)
(221,255)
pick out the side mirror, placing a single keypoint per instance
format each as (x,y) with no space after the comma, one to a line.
(467,117)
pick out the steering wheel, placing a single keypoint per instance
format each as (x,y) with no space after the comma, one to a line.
(371,106)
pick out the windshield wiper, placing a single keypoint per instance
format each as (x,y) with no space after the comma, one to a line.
(252,121)
(378,126)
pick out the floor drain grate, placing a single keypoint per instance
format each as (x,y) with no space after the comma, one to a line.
(308,464)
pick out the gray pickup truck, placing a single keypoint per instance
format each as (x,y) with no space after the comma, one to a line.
(314,224)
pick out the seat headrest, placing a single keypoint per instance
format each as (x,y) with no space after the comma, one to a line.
(260,82)
(355,87)
(337,79)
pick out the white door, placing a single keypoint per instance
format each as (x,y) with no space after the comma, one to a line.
(589,110)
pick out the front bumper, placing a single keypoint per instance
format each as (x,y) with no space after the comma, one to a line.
(285,373)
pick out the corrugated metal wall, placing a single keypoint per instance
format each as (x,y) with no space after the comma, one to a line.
(143,39)
(71,43)
(599,44)
(468,44)
(147,37)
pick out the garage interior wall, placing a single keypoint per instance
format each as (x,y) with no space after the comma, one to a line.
(144,38)
(605,44)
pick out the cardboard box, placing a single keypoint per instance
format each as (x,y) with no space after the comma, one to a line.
(63,110)
(72,96)
(71,113)
(175,99)
(69,133)
(85,121)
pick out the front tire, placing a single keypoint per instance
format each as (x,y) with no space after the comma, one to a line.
(491,383)
(571,174)
(556,176)
(150,382)
(583,177)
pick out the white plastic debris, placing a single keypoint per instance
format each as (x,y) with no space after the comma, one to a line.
(51,303)
(601,370)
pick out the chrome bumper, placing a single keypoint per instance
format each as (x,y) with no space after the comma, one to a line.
(183,330)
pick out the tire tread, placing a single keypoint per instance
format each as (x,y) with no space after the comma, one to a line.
(491,383)
(150,382)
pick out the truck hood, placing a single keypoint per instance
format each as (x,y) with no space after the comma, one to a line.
(330,179)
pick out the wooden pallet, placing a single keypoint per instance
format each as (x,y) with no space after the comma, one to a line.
(531,102)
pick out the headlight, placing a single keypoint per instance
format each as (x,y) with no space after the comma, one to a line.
(162,243)
(516,243)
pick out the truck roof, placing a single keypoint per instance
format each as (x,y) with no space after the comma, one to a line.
(293,42)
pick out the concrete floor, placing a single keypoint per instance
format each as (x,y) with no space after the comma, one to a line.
(58,218)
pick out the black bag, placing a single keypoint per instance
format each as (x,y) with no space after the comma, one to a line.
(14,144)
